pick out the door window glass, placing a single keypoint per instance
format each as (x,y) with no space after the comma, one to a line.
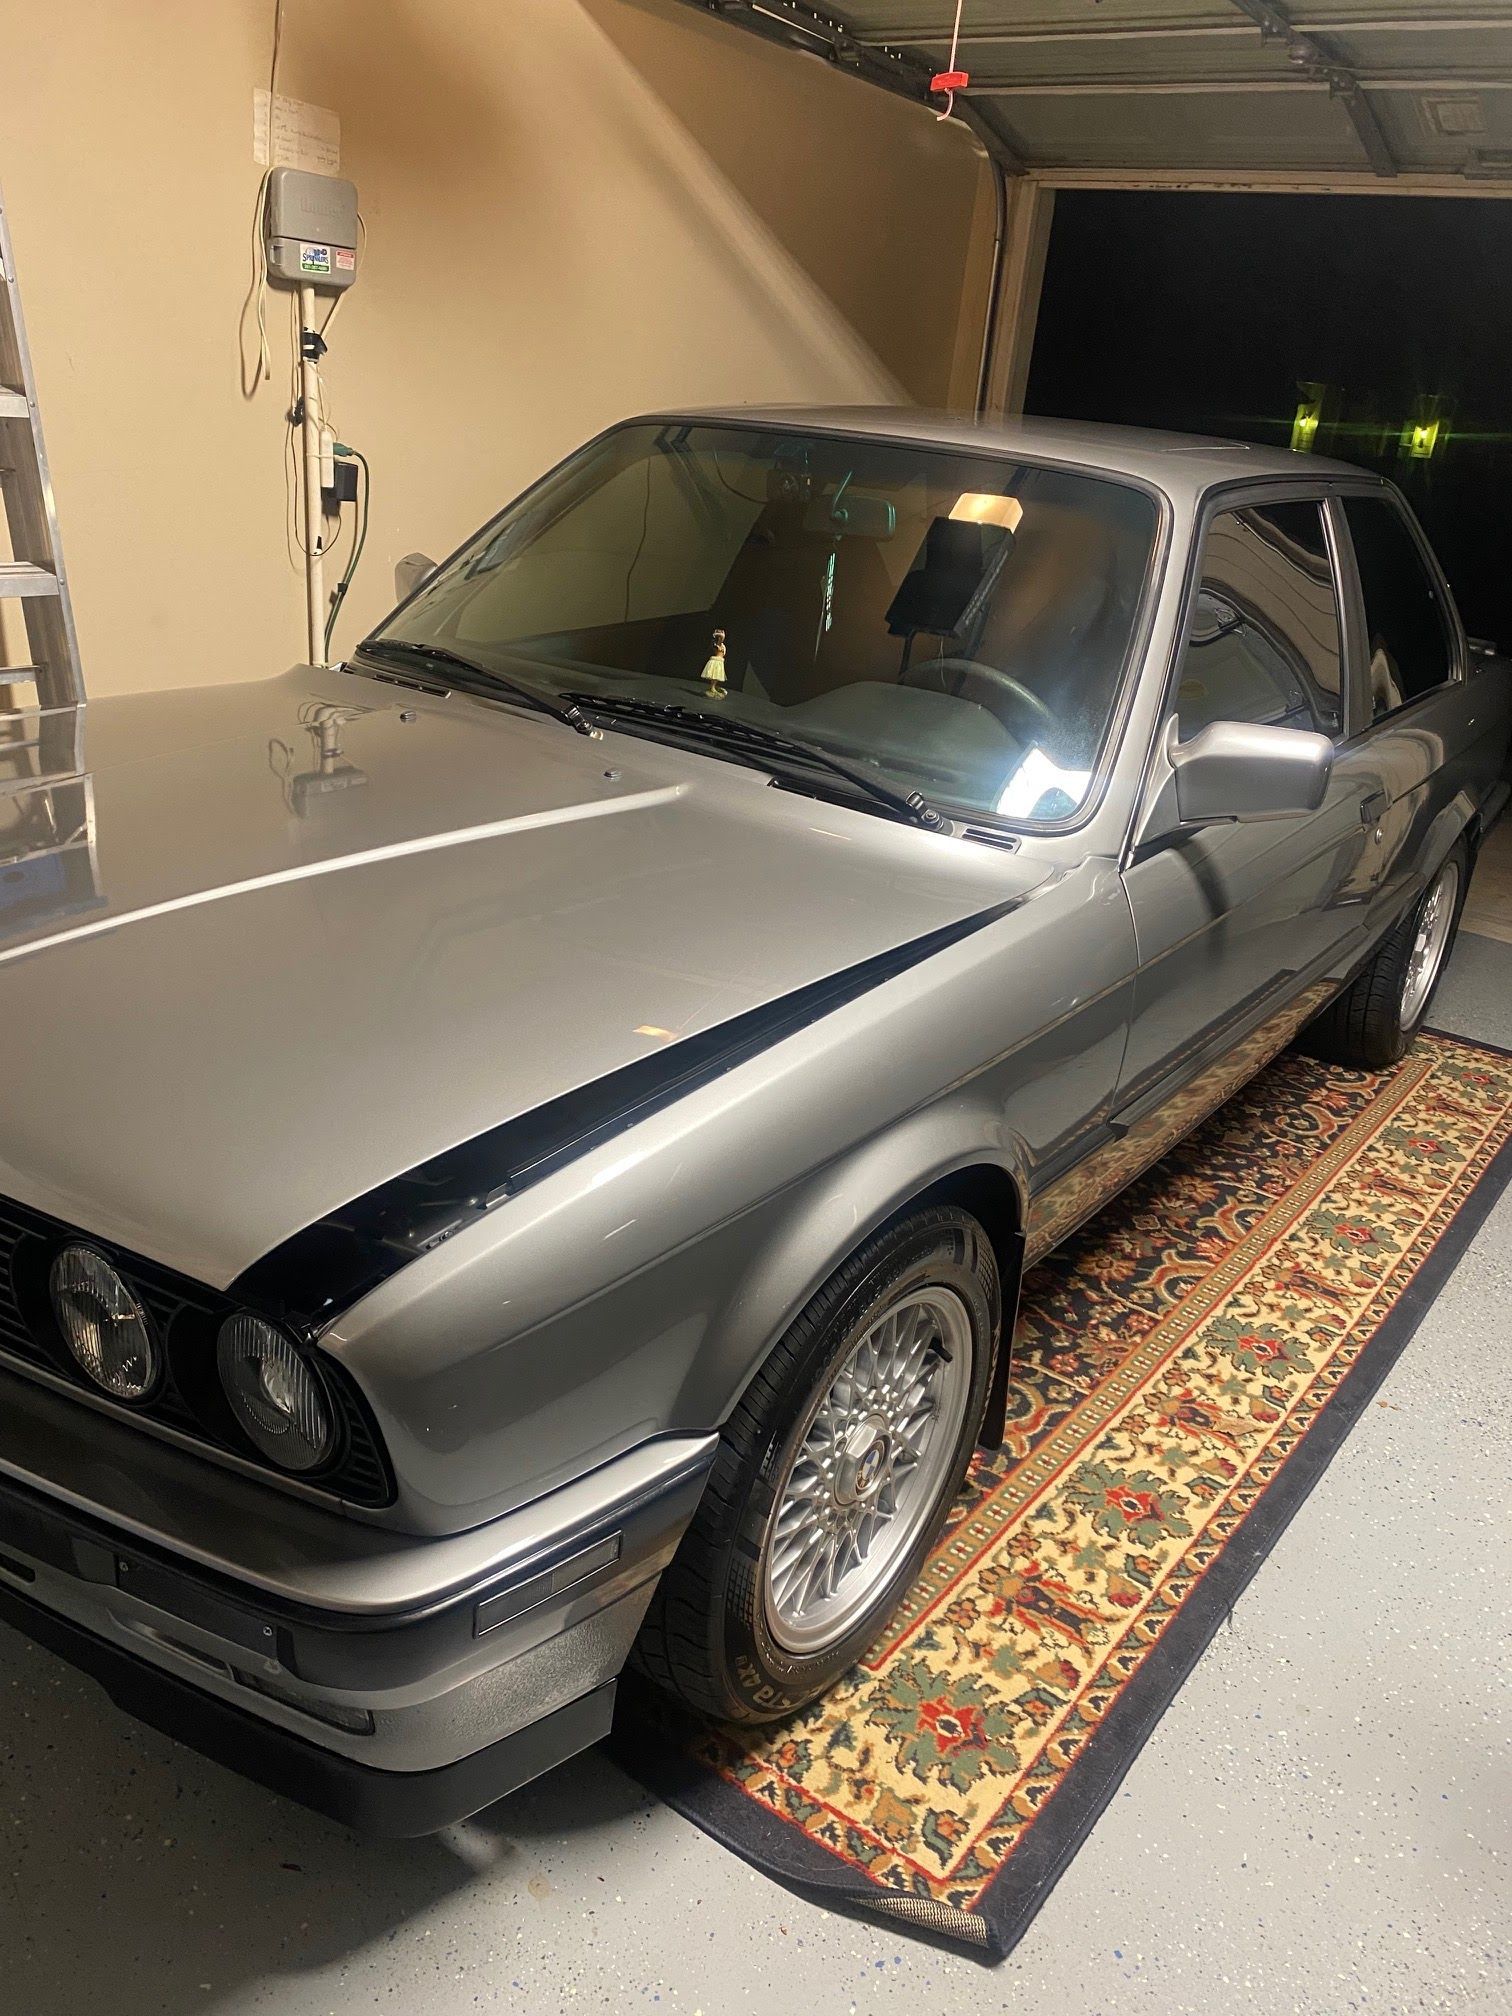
(1264,641)
(1407,626)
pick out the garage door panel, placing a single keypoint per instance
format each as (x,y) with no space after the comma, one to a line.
(1172,130)
(1166,85)
(1430,48)
(1353,25)
(1089,57)
(1407,12)
(904,18)
(1413,127)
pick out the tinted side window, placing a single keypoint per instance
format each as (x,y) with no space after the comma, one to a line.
(1406,623)
(1264,644)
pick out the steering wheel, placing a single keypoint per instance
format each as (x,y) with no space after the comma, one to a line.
(973,668)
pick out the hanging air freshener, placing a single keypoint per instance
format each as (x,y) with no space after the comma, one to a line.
(713,674)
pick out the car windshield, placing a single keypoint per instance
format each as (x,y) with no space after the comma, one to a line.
(956,624)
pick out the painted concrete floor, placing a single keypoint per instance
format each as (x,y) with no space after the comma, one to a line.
(1321,1823)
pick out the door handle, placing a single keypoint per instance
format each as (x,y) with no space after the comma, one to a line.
(1374,807)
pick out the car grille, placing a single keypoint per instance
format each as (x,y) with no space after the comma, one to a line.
(186,1316)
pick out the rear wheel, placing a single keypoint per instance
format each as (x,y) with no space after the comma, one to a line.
(833,1476)
(1376,1017)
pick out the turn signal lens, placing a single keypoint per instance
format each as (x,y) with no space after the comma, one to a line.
(275,1394)
(104,1325)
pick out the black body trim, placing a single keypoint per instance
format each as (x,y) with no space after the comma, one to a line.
(396,1803)
(354,1651)
(323,1269)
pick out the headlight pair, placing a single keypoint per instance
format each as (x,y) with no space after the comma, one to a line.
(274,1393)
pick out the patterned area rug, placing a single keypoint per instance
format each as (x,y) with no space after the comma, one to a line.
(1185,1368)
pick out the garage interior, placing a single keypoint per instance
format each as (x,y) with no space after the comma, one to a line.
(1237,347)
(1284,225)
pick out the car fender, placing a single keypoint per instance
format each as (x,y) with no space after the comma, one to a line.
(635,1291)
(827,1216)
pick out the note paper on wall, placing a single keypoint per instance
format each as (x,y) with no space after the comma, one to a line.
(304,136)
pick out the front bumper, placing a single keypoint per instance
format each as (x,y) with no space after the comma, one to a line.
(402,1803)
(395,1719)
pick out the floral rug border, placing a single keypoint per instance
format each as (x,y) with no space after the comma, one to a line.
(1002,1909)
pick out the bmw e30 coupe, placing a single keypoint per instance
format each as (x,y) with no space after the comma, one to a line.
(519,1151)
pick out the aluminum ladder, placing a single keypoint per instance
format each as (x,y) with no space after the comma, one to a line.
(31,565)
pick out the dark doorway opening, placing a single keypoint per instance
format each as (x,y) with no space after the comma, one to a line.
(1378,327)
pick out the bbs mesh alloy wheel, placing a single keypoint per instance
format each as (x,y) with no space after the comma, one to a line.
(834,1475)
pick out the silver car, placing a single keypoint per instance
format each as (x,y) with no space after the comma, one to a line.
(519,1152)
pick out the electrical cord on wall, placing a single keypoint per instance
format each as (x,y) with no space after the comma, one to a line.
(302,539)
(359,539)
(293,536)
(297,534)
(260,368)
(335,306)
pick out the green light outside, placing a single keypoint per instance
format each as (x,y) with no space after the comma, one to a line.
(1420,439)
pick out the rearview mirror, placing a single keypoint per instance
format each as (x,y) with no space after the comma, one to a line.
(1246,770)
(412,572)
(853,514)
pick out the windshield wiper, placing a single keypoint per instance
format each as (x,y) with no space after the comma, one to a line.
(772,742)
(475,678)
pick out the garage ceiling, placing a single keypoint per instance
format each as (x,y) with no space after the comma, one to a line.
(1384,89)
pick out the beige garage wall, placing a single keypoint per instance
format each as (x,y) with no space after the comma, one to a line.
(575,209)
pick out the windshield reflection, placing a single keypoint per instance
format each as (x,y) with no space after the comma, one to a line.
(958,623)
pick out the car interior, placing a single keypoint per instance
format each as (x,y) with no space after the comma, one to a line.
(960,620)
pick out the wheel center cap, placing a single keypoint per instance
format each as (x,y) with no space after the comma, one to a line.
(863,1462)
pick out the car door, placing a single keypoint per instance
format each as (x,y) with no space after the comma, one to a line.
(1410,718)
(1242,927)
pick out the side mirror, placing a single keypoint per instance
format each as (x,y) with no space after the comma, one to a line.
(412,573)
(1245,770)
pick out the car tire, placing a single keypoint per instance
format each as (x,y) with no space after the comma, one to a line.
(817,1450)
(1372,1023)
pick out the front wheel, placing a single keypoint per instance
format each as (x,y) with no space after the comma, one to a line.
(1376,1017)
(834,1475)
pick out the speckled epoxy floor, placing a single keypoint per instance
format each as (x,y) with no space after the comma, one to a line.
(1321,1823)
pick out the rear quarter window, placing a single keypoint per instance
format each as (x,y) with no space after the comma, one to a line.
(1408,629)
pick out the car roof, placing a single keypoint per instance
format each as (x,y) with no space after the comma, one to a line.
(1179,464)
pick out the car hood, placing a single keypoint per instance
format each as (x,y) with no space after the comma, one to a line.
(263,947)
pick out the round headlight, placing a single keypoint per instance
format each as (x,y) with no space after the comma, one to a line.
(274,1393)
(103,1324)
